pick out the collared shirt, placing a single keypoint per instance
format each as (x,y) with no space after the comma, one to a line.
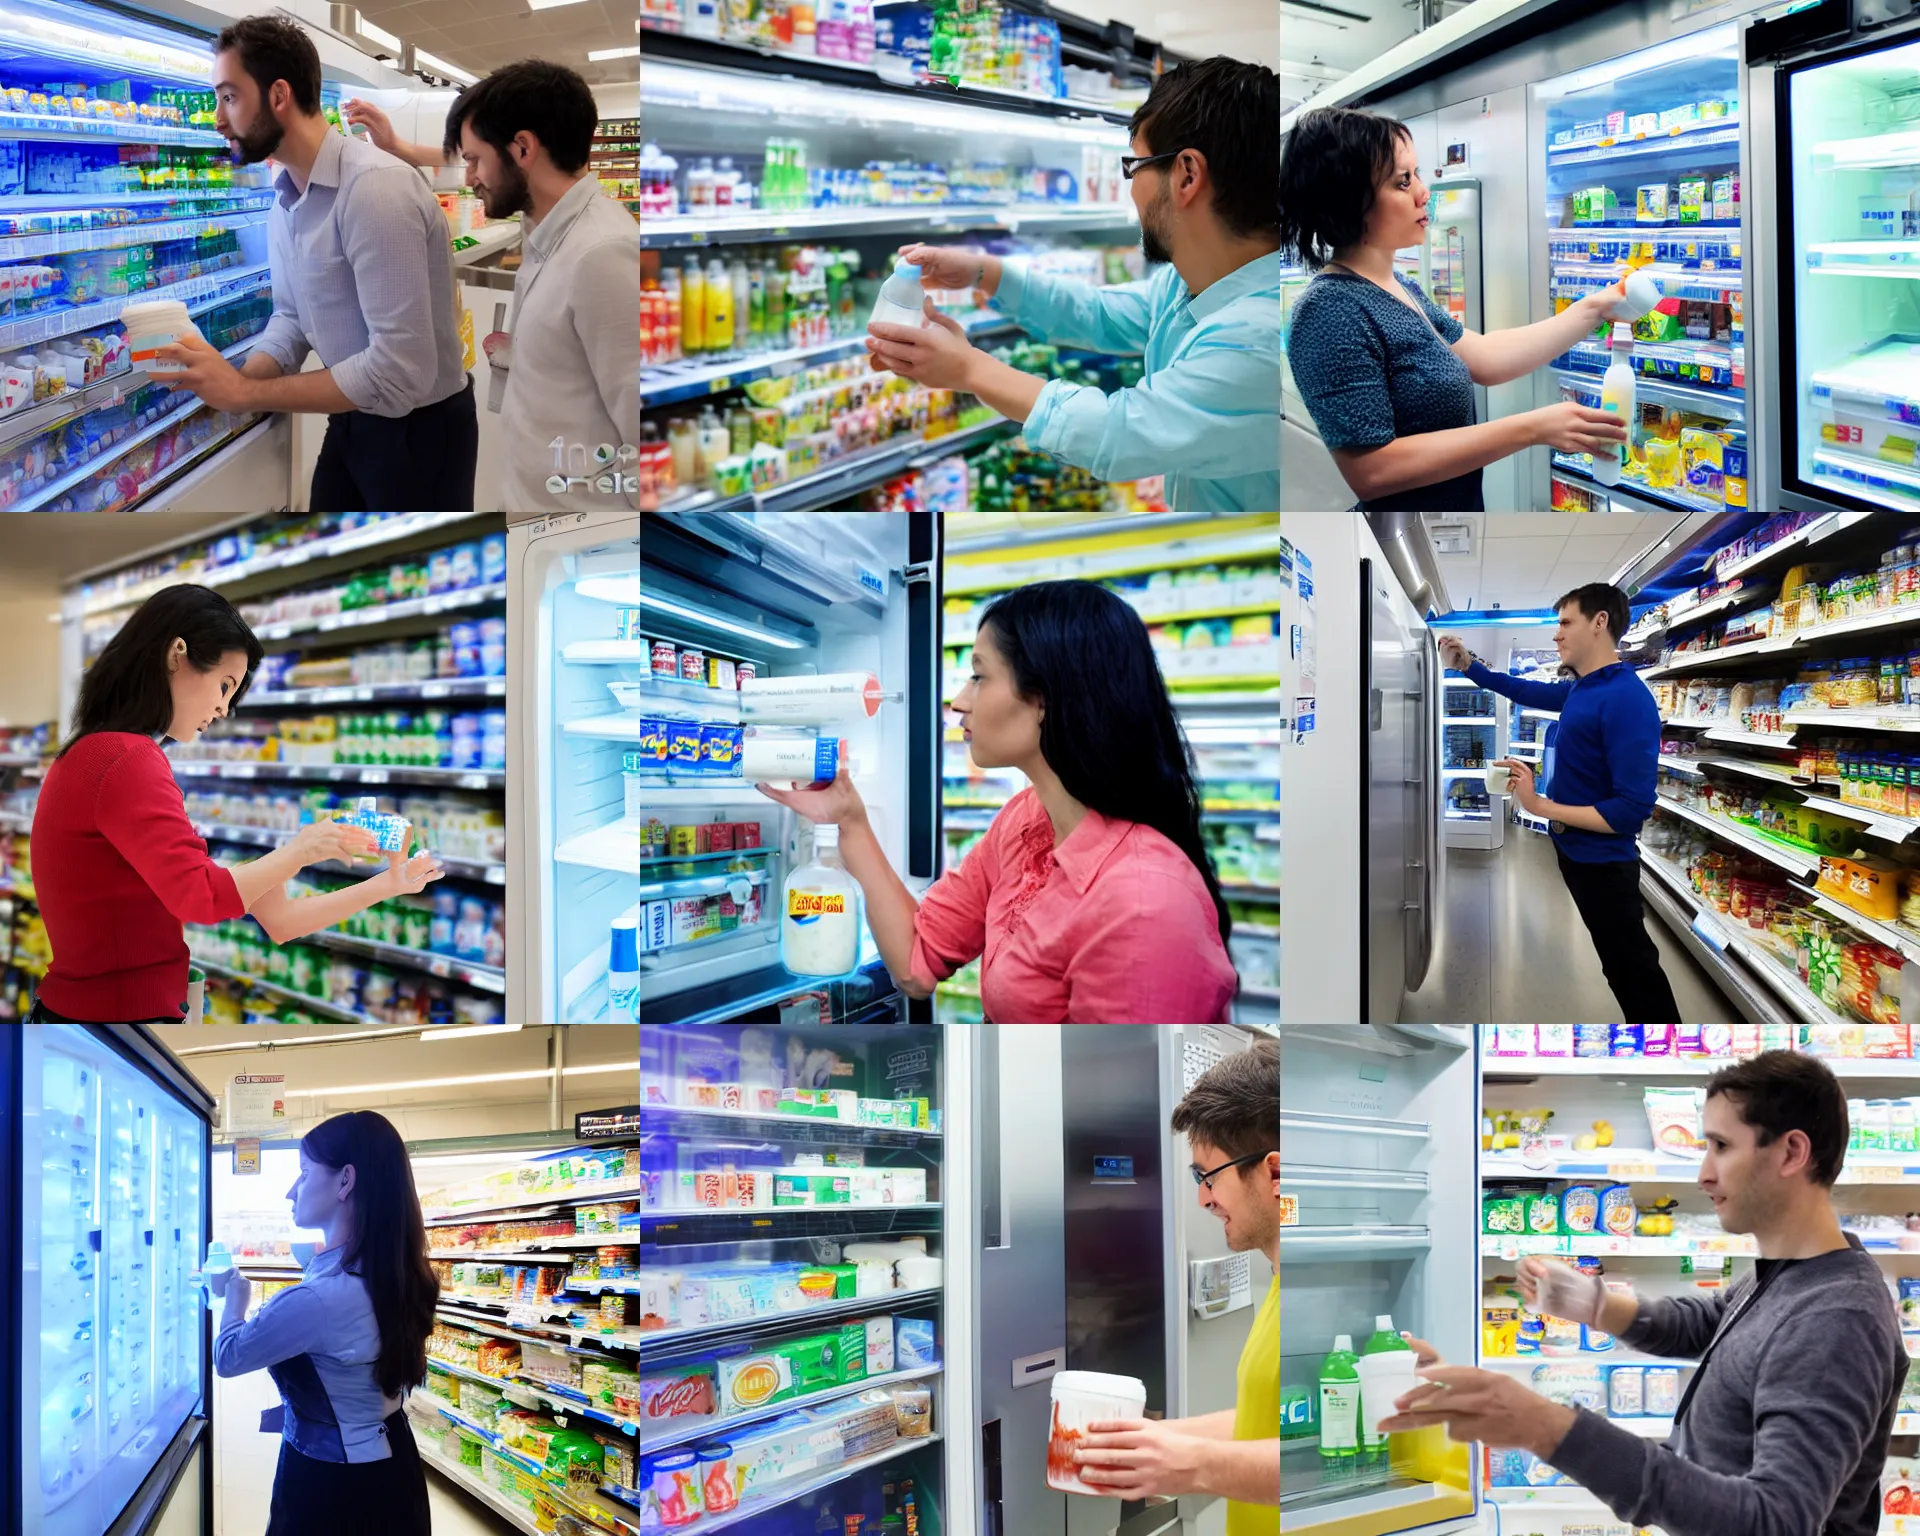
(363,275)
(1256,1409)
(574,369)
(319,1341)
(1207,413)
(1112,926)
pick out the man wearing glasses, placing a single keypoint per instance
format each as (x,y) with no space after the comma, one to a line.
(1231,1119)
(1204,176)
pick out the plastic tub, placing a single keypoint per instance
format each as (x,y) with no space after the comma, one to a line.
(152,324)
(1081,1398)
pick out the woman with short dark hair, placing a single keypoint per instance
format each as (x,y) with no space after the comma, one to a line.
(1386,373)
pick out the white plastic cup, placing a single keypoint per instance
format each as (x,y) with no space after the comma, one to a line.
(919,1271)
(1384,1379)
(1081,1398)
(1497,776)
(151,325)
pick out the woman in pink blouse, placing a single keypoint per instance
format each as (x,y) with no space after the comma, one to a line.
(1091,897)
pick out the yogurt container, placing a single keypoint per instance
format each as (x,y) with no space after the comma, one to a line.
(1081,1398)
(151,325)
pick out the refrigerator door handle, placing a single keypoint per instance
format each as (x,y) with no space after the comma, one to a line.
(926,716)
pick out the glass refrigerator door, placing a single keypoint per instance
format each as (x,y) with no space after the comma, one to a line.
(111,1220)
(1852,343)
(1643,174)
(1378,1147)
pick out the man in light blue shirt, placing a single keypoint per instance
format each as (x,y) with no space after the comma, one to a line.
(1205,174)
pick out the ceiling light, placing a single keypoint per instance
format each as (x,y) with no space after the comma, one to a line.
(601,55)
(470,1029)
(632,1068)
(424,60)
(550,5)
(379,35)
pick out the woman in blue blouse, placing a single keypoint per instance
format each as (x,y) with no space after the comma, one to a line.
(1386,373)
(347,1343)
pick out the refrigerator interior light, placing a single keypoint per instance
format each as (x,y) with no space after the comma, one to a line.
(55,30)
(1879,151)
(1718,43)
(711,620)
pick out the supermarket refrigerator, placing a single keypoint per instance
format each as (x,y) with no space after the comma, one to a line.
(1360,786)
(791,595)
(105,1420)
(1378,1164)
(1836,132)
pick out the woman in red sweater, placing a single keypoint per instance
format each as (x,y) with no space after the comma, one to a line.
(117,866)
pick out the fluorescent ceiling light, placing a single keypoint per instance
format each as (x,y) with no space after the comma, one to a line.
(379,35)
(601,55)
(424,60)
(550,5)
(701,616)
(631,1068)
(470,1029)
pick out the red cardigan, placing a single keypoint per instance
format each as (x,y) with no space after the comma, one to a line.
(118,869)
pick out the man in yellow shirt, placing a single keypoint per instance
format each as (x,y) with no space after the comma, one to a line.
(1231,1120)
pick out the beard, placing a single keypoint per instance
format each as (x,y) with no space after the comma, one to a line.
(258,142)
(509,195)
(1156,226)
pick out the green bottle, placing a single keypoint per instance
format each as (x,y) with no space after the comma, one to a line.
(1386,1339)
(1340,1402)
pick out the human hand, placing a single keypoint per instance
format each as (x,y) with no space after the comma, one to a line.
(1570,427)
(937,355)
(321,841)
(1560,1290)
(1424,1354)
(409,877)
(1488,1406)
(206,373)
(1139,1459)
(1520,782)
(1454,652)
(364,114)
(832,800)
(953,266)
(220,1279)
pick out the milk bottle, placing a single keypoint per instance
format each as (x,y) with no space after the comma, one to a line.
(820,912)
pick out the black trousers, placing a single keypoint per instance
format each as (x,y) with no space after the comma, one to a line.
(420,462)
(368,1498)
(1608,896)
(42,1014)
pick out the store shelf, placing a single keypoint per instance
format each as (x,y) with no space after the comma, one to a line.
(315,1005)
(604,653)
(1729,733)
(1854,719)
(384,693)
(1895,829)
(927,222)
(688,1120)
(1615,1356)
(1513,1245)
(1892,935)
(787,1493)
(1686,664)
(856,473)
(516,1514)
(1865,258)
(487,978)
(382,613)
(608,727)
(263,837)
(1338,1245)
(497,236)
(1687,139)
(600,1511)
(119,236)
(1710,401)
(481,1215)
(1699,1067)
(64,320)
(614,847)
(740,1330)
(342,773)
(1753,768)
(1805,864)
(564,1403)
(45,127)
(664,1439)
(1642,497)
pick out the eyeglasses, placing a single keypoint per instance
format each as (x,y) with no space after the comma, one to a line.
(1131,163)
(1207,1178)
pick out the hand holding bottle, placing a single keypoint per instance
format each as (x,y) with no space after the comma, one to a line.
(1560,1290)
(323,841)
(833,801)
(950,266)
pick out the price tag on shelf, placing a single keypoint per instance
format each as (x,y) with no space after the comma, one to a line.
(336,775)
(363,695)
(373,776)
(496,874)
(433,605)
(1711,932)
(239,770)
(440,966)
(435,690)
(1620,1173)
(1878,1173)
(473,781)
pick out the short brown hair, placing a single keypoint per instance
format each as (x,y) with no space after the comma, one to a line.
(1236,1105)
(1600,597)
(1780,1091)
(273,48)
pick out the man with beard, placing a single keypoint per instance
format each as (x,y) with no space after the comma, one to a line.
(362,275)
(566,376)
(1205,174)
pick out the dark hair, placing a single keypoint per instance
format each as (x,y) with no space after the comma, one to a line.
(1334,163)
(126,687)
(1235,1105)
(1781,1091)
(273,48)
(1109,730)
(1600,597)
(549,101)
(1229,111)
(388,1248)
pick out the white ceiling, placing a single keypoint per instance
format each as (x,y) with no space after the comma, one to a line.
(1241,29)
(45,551)
(1318,48)
(481,35)
(1525,560)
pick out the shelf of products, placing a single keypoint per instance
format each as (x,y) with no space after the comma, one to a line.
(24,950)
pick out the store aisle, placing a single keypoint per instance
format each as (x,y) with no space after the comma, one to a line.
(1513,947)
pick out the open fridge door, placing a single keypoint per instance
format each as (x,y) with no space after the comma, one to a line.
(1378,1161)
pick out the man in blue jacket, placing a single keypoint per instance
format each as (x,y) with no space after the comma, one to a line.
(1606,758)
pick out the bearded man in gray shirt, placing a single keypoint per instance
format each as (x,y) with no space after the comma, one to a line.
(1783,1429)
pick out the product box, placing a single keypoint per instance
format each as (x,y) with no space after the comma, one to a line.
(1616,124)
(909,1186)
(792,1368)
(1726,197)
(913,1343)
(866,1424)
(1693,199)
(657,1300)
(1641,124)
(656,924)
(806,1189)
(765,1455)
(1656,203)
(678,1393)
(880,1339)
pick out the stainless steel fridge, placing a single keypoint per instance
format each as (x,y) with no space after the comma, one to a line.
(1837,128)
(1361,790)
(103,1173)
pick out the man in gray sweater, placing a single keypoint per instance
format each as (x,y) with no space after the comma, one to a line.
(1783,1430)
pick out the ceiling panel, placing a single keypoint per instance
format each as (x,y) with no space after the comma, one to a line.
(481,35)
(1526,560)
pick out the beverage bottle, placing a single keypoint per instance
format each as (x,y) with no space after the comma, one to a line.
(742,303)
(757,304)
(777,333)
(715,442)
(670,339)
(820,912)
(219,1261)
(719,307)
(1386,1339)
(901,297)
(683,440)
(1617,396)
(693,300)
(1339,1383)
(725,179)
(740,430)
(623,972)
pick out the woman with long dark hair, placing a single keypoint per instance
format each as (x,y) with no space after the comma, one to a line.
(348,1343)
(1091,898)
(117,866)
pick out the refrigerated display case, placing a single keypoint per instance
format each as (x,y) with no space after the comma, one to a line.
(1471,734)
(1642,160)
(1848,183)
(1379,1151)
(107,1336)
(840,595)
